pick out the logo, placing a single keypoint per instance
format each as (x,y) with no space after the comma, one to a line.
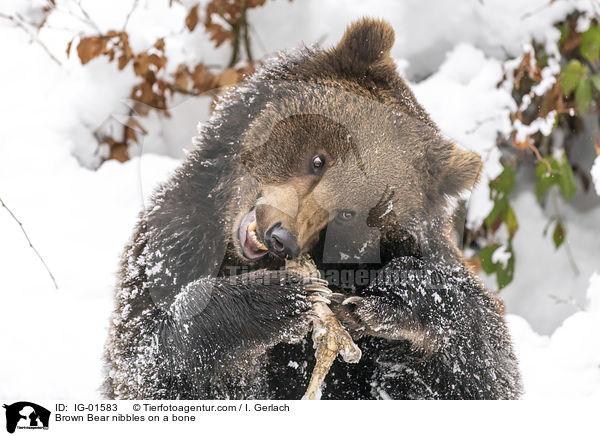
(26,415)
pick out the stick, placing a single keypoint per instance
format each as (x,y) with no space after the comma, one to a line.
(30,244)
(329,337)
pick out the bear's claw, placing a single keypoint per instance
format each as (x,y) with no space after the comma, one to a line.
(329,336)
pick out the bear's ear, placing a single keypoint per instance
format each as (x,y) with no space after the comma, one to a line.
(364,43)
(458,169)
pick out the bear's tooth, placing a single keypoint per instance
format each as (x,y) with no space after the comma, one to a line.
(258,244)
(252,226)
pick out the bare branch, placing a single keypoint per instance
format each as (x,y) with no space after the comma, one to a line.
(537,10)
(88,18)
(33,35)
(30,243)
(560,219)
(133,7)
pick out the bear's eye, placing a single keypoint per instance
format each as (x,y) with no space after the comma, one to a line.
(318,163)
(345,215)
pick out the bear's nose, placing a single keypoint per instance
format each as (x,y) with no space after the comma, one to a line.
(281,241)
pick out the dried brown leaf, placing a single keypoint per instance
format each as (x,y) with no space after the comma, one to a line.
(203,79)
(134,124)
(160,44)
(141,63)
(572,42)
(150,77)
(123,60)
(191,21)
(527,68)
(553,99)
(158,61)
(90,48)
(142,93)
(218,34)
(182,77)
(130,135)
(119,151)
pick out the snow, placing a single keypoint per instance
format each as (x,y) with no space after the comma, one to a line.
(546,288)
(463,99)
(79,215)
(564,365)
(425,29)
(79,221)
(596,174)
(501,255)
(543,125)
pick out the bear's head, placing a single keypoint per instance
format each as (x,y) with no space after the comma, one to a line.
(341,155)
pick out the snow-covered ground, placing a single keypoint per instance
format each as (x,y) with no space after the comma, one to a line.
(79,218)
(565,364)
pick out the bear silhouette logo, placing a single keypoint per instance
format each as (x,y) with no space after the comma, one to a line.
(24,414)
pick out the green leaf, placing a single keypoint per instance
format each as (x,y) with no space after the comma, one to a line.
(497,214)
(485,255)
(550,221)
(590,43)
(505,273)
(596,82)
(546,178)
(566,180)
(583,95)
(512,224)
(558,236)
(564,32)
(505,182)
(571,75)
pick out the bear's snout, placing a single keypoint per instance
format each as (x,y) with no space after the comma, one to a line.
(281,241)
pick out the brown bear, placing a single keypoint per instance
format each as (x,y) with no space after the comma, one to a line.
(323,153)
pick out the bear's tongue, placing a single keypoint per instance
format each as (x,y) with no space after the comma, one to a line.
(251,246)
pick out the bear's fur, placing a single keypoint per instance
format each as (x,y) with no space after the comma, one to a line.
(196,319)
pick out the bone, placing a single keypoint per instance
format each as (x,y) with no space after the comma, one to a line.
(329,337)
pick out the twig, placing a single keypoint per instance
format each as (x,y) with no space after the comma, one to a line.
(480,123)
(236,28)
(34,37)
(554,196)
(30,243)
(133,7)
(88,18)
(72,14)
(536,10)
(247,38)
(570,301)
(537,154)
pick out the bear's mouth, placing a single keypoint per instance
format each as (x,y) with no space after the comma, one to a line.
(249,242)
